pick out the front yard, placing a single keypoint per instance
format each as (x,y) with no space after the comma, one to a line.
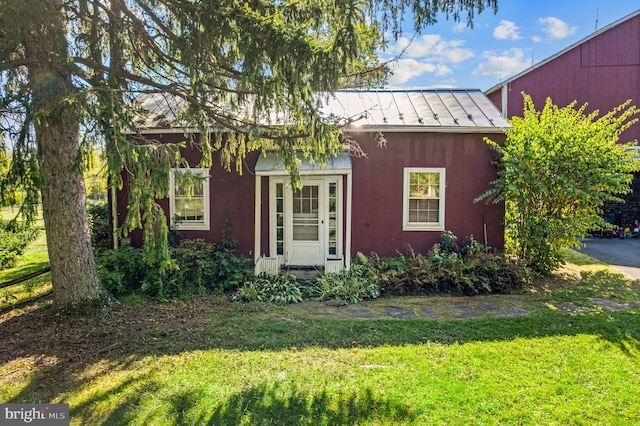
(210,361)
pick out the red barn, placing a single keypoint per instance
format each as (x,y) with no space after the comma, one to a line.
(602,70)
(426,161)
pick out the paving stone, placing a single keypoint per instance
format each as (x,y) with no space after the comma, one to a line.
(489,306)
(429,312)
(358,311)
(399,313)
(570,308)
(609,304)
(467,314)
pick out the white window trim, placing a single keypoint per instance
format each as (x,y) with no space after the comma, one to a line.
(423,226)
(190,226)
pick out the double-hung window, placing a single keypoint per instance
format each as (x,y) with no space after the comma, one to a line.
(189,199)
(423,199)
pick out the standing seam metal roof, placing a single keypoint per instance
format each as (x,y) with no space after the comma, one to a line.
(455,110)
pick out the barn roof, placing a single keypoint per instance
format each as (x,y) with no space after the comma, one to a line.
(563,51)
(426,110)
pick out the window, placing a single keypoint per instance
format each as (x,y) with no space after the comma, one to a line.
(423,203)
(189,199)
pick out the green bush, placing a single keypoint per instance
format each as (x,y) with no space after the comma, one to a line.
(198,268)
(278,289)
(353,285)
(450,267)
(14,239)
(100,227)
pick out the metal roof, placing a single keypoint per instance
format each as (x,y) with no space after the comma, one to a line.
(427,110)
(411,110)
(271,163)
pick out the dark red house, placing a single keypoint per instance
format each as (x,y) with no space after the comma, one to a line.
(602,70)
(421,181)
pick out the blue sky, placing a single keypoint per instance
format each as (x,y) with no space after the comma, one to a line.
(523,32)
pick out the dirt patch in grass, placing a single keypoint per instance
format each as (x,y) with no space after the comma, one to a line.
(48,339)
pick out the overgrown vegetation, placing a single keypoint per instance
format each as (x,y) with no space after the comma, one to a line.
(557,168)
(466,268)
(100,228)
(198,268)
(278,289)
(15,236)
(353,285)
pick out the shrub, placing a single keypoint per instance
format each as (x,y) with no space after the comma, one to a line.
(278,289)
(198,268)
(14,239)
(450,267)
(122,271)
(353,285)
(100,227)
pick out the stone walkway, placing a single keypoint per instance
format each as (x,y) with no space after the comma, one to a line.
(446,308)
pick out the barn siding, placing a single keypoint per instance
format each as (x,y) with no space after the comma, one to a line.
(603,71)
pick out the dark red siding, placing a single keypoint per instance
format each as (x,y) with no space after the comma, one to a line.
(378,190)
(603,71)
(232,198)
(377,194)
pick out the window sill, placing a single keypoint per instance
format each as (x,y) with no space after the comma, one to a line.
(421,227)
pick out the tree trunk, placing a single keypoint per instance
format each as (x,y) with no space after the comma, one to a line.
(73,269)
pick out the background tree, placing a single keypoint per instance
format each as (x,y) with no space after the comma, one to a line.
(230,64)
(557,168)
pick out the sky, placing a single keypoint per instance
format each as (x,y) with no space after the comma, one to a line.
(521,33)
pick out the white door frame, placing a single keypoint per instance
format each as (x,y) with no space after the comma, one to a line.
(288,255)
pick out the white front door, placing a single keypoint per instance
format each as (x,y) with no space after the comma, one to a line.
(306,245)
(306,225)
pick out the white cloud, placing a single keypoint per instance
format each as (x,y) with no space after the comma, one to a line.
(406,69)
(556,28)
(536,39)
(432,47)
(427,54)
(500,65)
(459,27)
(507,30)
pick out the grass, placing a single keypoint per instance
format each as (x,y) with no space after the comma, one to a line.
(209,361)
(34,258)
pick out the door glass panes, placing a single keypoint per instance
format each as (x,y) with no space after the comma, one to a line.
(424,197)
(333,219)
(279,218)
(305,214)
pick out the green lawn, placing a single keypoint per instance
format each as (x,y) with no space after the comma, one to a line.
(209,361)
(35,258)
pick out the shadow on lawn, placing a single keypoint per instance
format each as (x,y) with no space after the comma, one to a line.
(60,347)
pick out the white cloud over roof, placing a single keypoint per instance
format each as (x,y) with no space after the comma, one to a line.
(556,28)
(507,30)
(502,64)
